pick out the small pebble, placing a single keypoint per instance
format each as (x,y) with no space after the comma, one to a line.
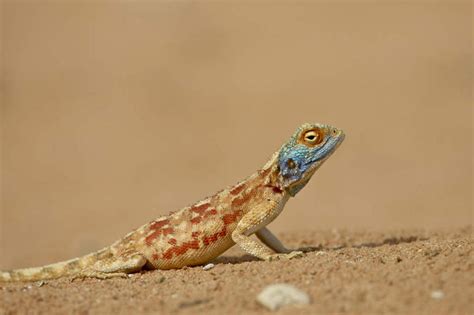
(208,267)
(437,294)
(277,295)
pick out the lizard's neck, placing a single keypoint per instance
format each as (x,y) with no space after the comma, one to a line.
(257,187)
(269,175)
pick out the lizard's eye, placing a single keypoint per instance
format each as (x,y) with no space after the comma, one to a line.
(312,137)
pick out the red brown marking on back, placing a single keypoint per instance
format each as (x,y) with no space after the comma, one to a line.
(214,237)
(155,256)
(237,189)
(196,220)
(200,209)
(210,212)
(167,231)
(237,202)
(180,250)
(195,234)
(158,230)
(172,241)
(156,225)
(231,217)
(203,214)
(149,239)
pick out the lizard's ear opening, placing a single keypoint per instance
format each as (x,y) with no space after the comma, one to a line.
(290,170)
(291,164)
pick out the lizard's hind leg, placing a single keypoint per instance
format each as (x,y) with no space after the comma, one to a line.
(114,267)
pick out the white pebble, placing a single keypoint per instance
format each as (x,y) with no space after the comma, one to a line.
(276,295)
(437,294)
(208,266)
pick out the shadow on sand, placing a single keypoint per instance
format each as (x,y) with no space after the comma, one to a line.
(309,249)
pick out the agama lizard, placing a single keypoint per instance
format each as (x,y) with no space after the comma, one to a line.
(199,233)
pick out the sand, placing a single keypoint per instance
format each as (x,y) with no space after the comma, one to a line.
(396,272)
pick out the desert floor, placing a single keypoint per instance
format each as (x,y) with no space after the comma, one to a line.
(403,272)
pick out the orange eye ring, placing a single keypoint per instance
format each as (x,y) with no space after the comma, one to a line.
(312,137)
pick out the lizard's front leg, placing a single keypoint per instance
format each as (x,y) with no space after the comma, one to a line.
(256,220)
(269,239)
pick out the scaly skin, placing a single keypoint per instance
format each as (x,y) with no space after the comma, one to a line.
(198,233)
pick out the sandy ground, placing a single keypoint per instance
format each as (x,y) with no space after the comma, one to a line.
(403,272)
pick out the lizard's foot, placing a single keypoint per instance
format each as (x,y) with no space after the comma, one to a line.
(99,275)
(291,255)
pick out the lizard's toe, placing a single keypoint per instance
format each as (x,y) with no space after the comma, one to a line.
(293,254)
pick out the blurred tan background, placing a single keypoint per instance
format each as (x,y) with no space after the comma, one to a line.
(115,113)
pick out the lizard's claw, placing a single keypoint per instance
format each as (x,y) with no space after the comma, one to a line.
(293,254)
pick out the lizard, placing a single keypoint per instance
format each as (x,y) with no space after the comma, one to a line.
(200,232)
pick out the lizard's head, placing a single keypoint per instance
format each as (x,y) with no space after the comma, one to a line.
(304,153)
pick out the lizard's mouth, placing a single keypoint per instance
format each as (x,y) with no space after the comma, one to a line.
(328,148)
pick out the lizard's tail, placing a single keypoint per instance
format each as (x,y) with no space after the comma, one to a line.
(65,268)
